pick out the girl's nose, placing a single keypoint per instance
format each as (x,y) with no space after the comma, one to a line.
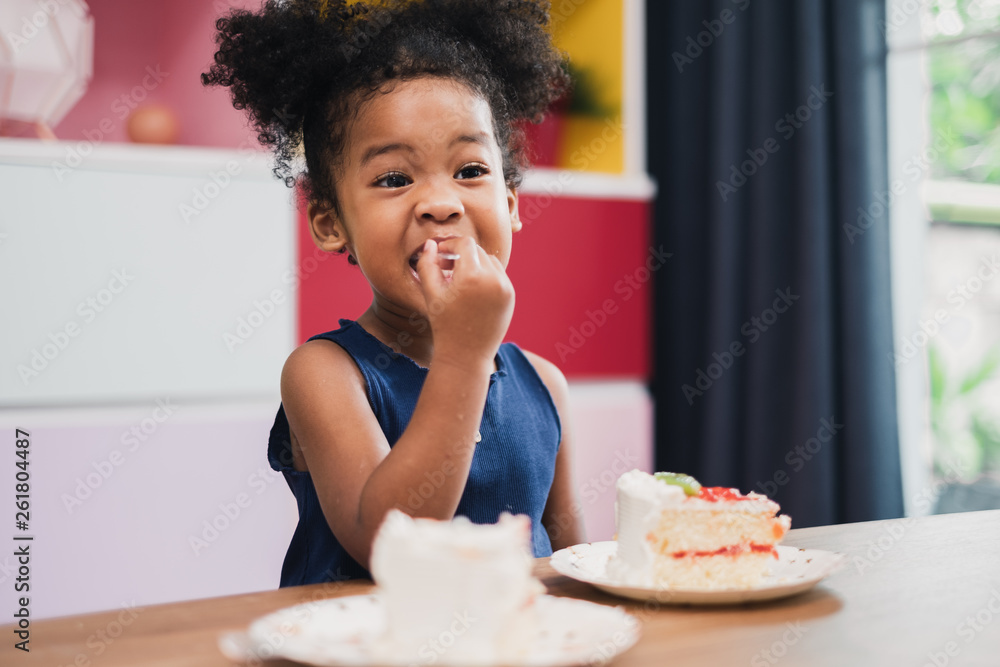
(440,204)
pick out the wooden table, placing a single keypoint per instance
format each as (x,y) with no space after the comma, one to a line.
(913,592)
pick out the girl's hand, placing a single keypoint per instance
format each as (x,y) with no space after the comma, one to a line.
(469,312)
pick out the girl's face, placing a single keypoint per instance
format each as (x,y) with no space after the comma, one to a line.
(421,162)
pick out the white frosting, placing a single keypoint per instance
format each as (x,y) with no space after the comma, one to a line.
(638,503)
(455,592)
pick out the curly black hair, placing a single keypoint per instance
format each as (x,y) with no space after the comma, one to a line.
(300,67)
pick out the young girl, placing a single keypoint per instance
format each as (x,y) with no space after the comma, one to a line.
(407,113)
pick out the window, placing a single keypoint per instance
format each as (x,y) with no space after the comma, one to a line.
(944,80)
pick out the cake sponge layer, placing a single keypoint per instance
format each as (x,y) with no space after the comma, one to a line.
(712,572)
(676,530)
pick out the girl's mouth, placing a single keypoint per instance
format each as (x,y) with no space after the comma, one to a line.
(446,262)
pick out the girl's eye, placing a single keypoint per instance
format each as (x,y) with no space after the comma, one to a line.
(392,180)
(472,171)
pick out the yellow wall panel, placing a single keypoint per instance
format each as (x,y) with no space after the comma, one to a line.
(592,33)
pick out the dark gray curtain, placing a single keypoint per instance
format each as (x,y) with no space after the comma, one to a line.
(773,328)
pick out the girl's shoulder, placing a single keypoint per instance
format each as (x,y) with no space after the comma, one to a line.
(350,344)
(322,362)
(551,376)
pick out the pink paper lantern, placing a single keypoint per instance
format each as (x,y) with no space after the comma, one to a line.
(46,59)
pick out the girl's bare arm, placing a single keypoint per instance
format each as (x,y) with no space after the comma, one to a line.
(357,477)
(563,516)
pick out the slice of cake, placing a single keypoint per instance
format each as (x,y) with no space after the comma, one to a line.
(455,592)
(675,533)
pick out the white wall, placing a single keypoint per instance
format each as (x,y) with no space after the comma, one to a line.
(121,279)
(123,269)
(909,224)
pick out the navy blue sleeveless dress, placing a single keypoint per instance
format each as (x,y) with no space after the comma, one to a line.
(512,467)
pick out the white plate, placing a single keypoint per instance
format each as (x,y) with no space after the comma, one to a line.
(795,571)
(344,631)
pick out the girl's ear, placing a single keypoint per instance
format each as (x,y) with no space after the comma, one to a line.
(515,217)
(327,229)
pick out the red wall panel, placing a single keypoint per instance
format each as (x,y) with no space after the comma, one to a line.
(580,303)
(329,287)
(581,271)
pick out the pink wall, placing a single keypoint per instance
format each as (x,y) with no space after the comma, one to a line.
(177,38)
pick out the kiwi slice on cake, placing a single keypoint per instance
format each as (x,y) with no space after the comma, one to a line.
(688,484)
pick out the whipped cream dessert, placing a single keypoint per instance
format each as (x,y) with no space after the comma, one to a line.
(674,533)
(455,592)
